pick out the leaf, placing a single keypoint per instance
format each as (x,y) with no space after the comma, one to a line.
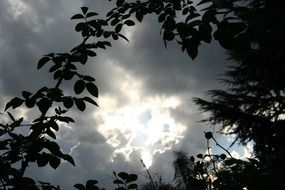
(13,135)
(44,104)
(200,156)
(99,33)
(54,68)
(123,175)
(79,86)
(80,104)
(83,58)
(26,181)
(115,21)
(42,62)
(90,14)
(80,26)
(87,99)
(14,103)
(118,28)
(107,43)
(71,66)
(85,31)
(68,102)
(132,186)
(205,32)
(91,184)
(79,186)
(54,162)
(53,147)
(54,125)
(131,177)
(107,34)
(26,94)
(129,22)
(91,53)
(117,181)
(50,55)
(115,36)
(57,74)
(209,16)
(43,159)
(77,16)
(65,119)
(50,133)
(124,17)
(19,121)
(139,16)
(192,48)
(88,78)
(92,89)
(120,2)
(161,17)
(84,10)
(30,102)
(68,158)
(185,11)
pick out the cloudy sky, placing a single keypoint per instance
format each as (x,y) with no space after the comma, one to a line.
(146,109)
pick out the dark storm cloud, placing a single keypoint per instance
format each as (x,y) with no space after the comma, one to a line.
(41,27)
(45,26)
(168,70)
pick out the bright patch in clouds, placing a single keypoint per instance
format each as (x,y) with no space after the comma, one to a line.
(17,7)
(144,124)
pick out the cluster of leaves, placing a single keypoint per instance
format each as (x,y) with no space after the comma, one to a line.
(211,171)
(39,145)
(190,23)
(123,181)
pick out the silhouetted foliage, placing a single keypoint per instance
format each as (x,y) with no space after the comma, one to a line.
(158,186)
(251,108)
(211,171)
(52,104)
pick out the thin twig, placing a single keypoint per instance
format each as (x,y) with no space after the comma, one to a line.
(149,176)
(212,160)
(222,147)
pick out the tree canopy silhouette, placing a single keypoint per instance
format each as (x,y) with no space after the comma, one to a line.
(252,107)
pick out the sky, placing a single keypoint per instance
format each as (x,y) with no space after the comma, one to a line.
(146,109)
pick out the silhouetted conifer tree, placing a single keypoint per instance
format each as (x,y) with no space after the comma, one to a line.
(253,104)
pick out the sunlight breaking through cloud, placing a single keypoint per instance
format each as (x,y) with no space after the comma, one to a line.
(143,124)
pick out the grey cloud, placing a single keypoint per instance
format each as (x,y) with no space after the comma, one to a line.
(168,71)
(164,72)
(42,28)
